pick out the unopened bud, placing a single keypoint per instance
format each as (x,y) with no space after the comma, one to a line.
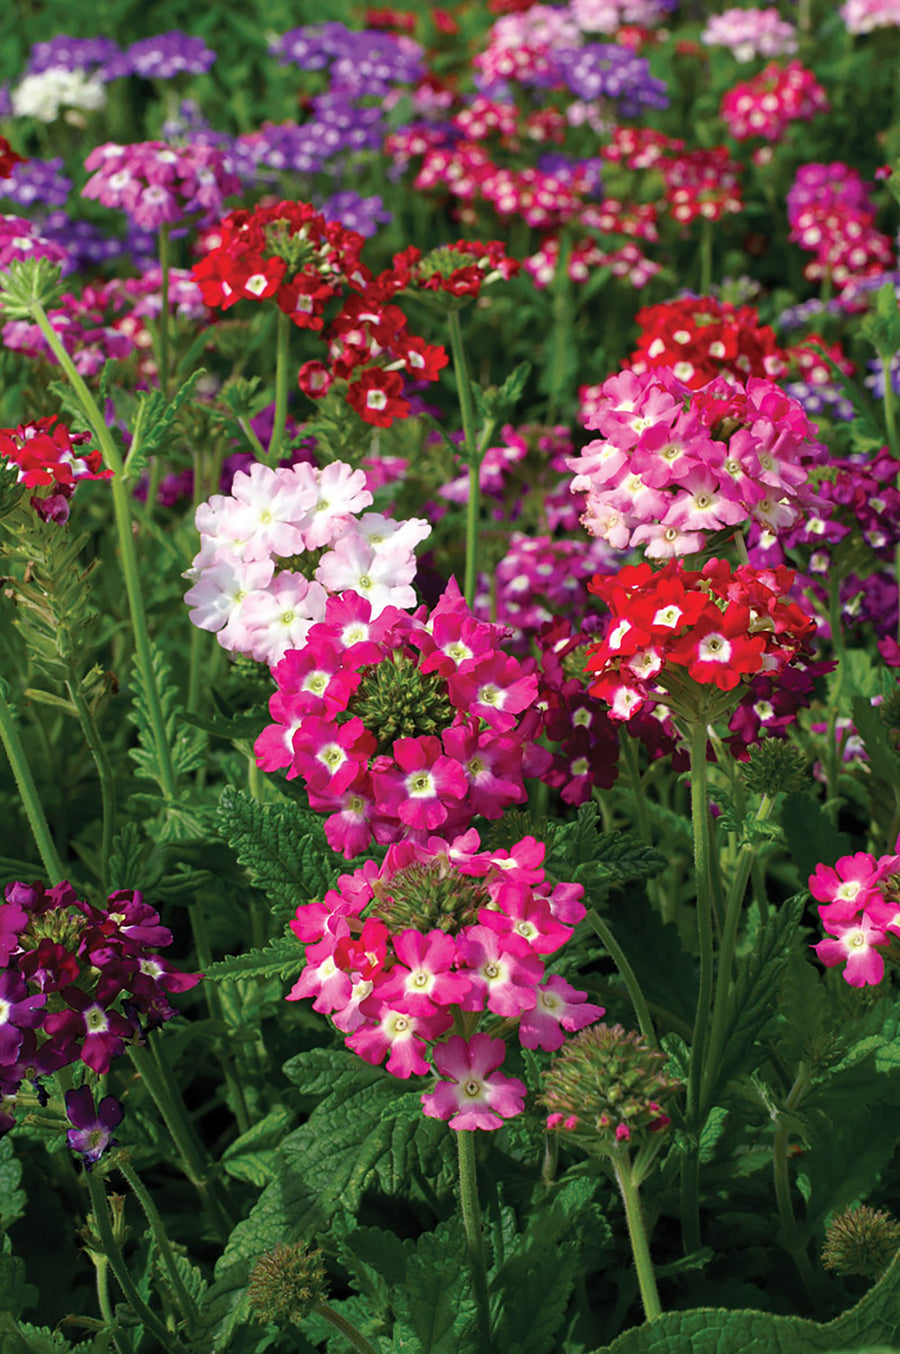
(861,1241)
(776,765)
(287,1283)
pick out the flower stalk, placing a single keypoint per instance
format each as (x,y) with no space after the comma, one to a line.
(471,452)
(37,821)
(637,1234)
(471,1217)
(282,359)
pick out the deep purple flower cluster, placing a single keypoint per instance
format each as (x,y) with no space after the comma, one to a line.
(362,214)
(97,56)
(77,981)
(602,70)
(35,181)
(167,55)
(362,63)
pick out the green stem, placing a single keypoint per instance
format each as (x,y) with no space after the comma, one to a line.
(638,1236)
(166,1338)
(9,735)
(216,1006)
(105,774)
(630,753)
(163,374)
(122,512)
(562,326)
(101,1269)
(617,955)
(706,256)
(255,444)
(282,358)
(182,1296)
(171,1110)
(471,1217)
(733,905)
(470,453)
(793,1241)
(340,1323)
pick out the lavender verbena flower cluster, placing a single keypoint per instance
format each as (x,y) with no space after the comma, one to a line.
(248,584)
(77,981)
(100,57)
(606,16)
(748,33)
(604,71)
(37,181)
(157,184)
(441,928)
(167,55)
(361,63)
(362,214)
(674,464)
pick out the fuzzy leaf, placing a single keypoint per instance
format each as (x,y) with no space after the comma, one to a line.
(282,846)
(253,1156)
(883,759)
(281,958)
(434,1308)
(710,1330)
(187,746)
(15,1293)
(811,834)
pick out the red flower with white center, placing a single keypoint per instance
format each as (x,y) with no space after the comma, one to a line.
(377,396)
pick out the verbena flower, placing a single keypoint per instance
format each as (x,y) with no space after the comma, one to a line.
(167,55)
(92,1126)
(859,908)
(766,105)
(156,184)
(748,33)
(864,16)
(44,95)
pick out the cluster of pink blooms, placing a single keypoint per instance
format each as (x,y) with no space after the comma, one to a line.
(468,173)
(484,117)
(246,583)
(609,16)
(673,464)
(860,911)
(831,214)
(21,240)
(718,626)
(541,577)
(108,320)
(767,105)
(76,981)
(439,936)
(863,16)
(403,726)
(585,256)
(748,33)
(156,184)
(520,46)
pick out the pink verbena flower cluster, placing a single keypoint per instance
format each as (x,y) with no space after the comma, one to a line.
(767,105)
(607,16)
(76,981)
(541,577)
(673,465)
(248,584)
(748,33)
(863,16)
(403,726)
(831,215)
(628,261)
(439,937)
(156,184)
(21,240)
(520,46)
(860,911)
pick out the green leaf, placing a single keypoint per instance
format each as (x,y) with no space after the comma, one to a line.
(153,422)
(12,1198)
(253,1156)
(580,852)
(281,958)
(434,1308)
(811,835)
(187,746)
(282,846)
(883,759)
(710,1330)
(15,1293)
(752,1003)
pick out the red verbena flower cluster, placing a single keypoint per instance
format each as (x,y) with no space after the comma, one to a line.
(77,981)
(437,937)
(403,725)
(860,911)
(46,454)
(672,464)
(700,338)
(8,158)
(767,105)
(702,183)
(289,253)
(717,626)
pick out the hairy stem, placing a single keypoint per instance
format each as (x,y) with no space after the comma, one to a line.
(626,972)
(638,1236)
(282,359)
(182,1296)
(471,1216)
(34,812)
(470,453)
(340,1323)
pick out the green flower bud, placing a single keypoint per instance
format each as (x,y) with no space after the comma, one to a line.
(395,699)
(286,1284)
(861,1241)
(431,895)
(776,765)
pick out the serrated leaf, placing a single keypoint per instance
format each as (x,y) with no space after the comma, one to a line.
(281,958)
(15,1293)
(811,835)
(283,847)
(253,1156)
(434,1306)
(752,1002)
(712,1330)
(153,421)
(581,853)
(883,758)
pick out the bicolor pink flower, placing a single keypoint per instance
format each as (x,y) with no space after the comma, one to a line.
(424,779)
(424,977)
(856,945)
(397,1034)
(559,1007)
(472,1093)
(847,887)
(504,971)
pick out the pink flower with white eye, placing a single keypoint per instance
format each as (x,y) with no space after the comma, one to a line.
(274,508)
(856,944)
(559,1007)
(472,1093)
(503,969)
(364,954)
(313,680)
(496,689)
(353,816)
(492,765)
(350,1018)
(565,902)
(517,911)
(399,1034)
(416,790)
(279,617)
(702,504)
(217,595)
(274,748)
(329,756)
(847,887)
(423,979)
(322,977)
(341,494)
(314,920)
(523,863)
(384,577)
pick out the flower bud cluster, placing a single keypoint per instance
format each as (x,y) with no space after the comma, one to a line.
(247,581)
(77,981)
(442,936)
(403,725)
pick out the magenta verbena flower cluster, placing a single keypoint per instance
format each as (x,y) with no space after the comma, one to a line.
(77,982)
(674,465)
(404,725)
(446,937)
(157,184)
(248,580)
(748,33)
(860,911)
